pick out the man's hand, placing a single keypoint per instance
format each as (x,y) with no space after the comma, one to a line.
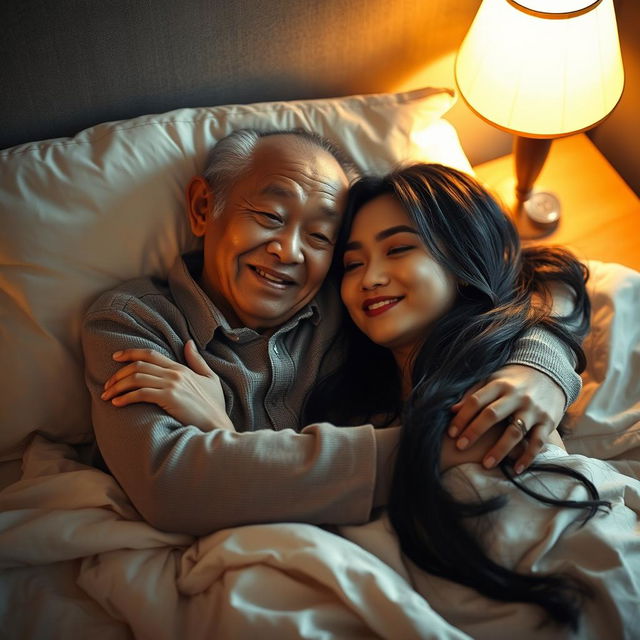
(515,391)
(192,395)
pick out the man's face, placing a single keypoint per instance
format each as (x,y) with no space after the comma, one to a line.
(268,252)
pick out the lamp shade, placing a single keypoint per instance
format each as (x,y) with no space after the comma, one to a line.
(542,68)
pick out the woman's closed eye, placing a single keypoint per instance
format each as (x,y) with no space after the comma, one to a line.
(403,248)
(350,265)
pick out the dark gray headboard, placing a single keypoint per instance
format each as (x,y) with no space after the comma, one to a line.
(69,64)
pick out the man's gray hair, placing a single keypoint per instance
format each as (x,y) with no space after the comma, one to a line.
(230,158)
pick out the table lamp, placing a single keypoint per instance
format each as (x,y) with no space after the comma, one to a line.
(540,69)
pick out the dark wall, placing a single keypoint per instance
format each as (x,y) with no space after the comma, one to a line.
(618,137)
(68,64)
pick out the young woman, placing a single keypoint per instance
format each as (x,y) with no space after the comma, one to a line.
(438,289)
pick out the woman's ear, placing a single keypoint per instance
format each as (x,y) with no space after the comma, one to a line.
(199,204)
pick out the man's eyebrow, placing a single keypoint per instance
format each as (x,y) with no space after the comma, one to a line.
(329,212)
(382,235)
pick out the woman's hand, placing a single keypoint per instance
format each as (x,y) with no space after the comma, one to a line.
(191,394)
(513,392)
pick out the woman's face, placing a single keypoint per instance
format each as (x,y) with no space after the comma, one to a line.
(392,287)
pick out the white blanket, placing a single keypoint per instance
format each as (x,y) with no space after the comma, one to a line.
(77,561)
(527,536)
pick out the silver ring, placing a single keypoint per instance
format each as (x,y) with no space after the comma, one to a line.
(520,424)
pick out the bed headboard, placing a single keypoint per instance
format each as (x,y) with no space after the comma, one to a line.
(73,64)
(69,65)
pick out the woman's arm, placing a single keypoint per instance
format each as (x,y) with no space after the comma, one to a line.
(191,394)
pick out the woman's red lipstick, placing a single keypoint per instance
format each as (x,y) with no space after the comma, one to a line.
(376,306)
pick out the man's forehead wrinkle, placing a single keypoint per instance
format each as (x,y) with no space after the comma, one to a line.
(311,167)
(301,182)
(278,190)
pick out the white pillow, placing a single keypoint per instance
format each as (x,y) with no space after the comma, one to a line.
(604,422)
(79,215)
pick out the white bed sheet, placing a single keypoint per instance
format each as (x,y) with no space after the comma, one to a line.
(527,536)
(77,561)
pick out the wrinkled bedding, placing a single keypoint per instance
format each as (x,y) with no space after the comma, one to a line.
(528,536)
(77,561)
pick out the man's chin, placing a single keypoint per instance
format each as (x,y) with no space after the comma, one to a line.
(263,319)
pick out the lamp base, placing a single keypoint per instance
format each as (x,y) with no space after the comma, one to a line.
(538,215)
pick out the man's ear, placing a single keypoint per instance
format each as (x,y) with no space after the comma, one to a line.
(199,204)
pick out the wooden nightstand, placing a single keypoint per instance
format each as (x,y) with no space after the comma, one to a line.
(600,213)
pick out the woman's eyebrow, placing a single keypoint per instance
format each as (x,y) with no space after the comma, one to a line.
(401,228)
(382,235)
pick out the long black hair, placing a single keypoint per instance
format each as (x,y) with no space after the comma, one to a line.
(467,232)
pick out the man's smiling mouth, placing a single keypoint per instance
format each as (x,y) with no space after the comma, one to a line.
(272,276)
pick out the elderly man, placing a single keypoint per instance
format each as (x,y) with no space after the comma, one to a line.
(268,208)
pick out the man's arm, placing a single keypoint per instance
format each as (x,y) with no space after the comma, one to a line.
(182,479)
(539,382)
(543,350)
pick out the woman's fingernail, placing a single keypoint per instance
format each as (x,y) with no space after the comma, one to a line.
(519,469)
(462,443)
(117,354)
(453,431)
(489,462)
(104,396)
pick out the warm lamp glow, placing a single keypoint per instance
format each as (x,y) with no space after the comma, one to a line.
(540,68)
